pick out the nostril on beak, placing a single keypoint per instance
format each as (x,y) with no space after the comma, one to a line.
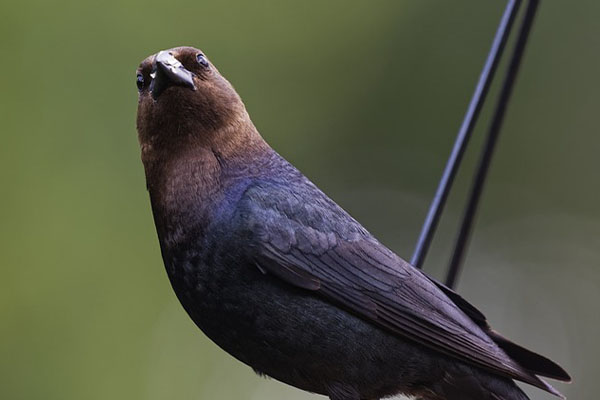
(168,71)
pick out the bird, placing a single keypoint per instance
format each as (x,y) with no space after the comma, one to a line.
(286,281)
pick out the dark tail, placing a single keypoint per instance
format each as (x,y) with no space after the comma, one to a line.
(533,362)
(463,382)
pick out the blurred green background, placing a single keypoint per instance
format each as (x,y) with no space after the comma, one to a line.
(364,97)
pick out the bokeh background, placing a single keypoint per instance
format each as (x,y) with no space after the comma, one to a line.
(364,97)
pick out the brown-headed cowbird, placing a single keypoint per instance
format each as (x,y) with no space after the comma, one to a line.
(285,280)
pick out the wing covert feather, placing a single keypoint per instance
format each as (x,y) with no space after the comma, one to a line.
(305,239)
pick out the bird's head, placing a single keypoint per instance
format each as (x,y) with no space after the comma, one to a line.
(182,97)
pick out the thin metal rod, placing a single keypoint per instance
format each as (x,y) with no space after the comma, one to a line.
(464,134)
(488,148)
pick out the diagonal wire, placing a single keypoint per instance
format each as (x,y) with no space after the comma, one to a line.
(488,148)
(464,133)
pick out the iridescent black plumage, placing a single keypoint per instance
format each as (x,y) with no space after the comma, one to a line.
(281,277)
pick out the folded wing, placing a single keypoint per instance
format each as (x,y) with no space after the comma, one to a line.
(305,239)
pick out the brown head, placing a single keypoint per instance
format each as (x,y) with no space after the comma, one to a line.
(185,102)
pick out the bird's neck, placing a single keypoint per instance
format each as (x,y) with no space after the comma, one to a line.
(187,179)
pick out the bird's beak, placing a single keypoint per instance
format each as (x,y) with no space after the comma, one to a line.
(168,71)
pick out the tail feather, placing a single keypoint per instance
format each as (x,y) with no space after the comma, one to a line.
(533,362)
(467,383)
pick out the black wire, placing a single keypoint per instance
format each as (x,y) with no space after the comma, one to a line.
(488,149)
(464,133)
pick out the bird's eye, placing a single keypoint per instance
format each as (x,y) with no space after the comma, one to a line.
(202,60)
(140,82)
